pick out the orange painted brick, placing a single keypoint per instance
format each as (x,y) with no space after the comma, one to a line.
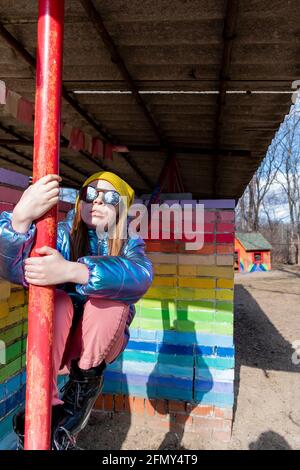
(119,402)
(99,402)
(225,413)
(139,405)
(200,410)
(150,407)
(224,249)
(177,406)
(129,404)
(161,407)
(108,402)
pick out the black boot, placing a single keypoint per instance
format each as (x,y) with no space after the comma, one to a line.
(58,413)
(79,396)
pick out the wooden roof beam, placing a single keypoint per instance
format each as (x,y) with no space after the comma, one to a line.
(97,125)
(229,35)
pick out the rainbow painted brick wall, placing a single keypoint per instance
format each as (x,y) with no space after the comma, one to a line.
(13,322)
(178,367)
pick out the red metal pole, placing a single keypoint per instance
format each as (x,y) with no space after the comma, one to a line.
(45,161)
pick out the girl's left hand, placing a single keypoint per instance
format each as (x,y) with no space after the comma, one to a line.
(49,269)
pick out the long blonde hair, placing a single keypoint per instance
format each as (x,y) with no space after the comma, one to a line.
(79,235)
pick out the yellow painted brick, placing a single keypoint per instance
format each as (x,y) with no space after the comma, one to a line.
(225,283)
(193,294)
(165,269)
(25,311)
(4,289)
(161,293)
(14,317)
(187,270)
(215,271)
(164,281)
(4,309)
(197,282)
(16,286)
(17,298)
(224,294)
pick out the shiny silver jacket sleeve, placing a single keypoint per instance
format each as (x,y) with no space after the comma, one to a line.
(125,278)
(14,249)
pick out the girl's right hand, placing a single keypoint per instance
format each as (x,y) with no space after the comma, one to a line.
(36,200)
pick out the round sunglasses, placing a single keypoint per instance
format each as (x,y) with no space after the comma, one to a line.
(109,196)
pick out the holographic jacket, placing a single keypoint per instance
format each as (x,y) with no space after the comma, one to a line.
(124,278)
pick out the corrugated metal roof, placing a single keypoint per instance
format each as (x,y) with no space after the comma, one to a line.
(219,138)
(253,241)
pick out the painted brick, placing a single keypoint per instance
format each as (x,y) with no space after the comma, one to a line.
(225,249)
(164,281)
(108,402)
(225,283)
(10,195)
(16,299)
(224,294)
(4,289)
(224,260)
(196,259)
(196,282)
(187,270)
(139,405)
(165,269)
(225,238)
(119,402)
(176,406)
(200,410)
(223,228)
(150,407)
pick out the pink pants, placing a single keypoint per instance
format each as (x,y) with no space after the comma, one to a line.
(99,334)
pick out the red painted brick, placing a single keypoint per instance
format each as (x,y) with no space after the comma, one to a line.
(108,402)
(225,238)
(4,206)
(139,405)
(150,407)
(119,402)
(209,216)
(200,410)
(208,228)
(225,216)
(10,195)
(177,406)
(222,228)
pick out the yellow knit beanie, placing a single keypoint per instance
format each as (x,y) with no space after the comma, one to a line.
(120,185)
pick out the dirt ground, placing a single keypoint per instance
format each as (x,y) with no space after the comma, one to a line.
(267,383)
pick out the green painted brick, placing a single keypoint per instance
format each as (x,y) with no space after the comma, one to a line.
(222,329)
(13,351)
(158,304)
(157,314)
(11,333)
(10,369)
(196,316)
(195,305)
(192,326)
(224,317)
(222,305)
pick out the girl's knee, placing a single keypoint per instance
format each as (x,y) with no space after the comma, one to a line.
(63,303)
